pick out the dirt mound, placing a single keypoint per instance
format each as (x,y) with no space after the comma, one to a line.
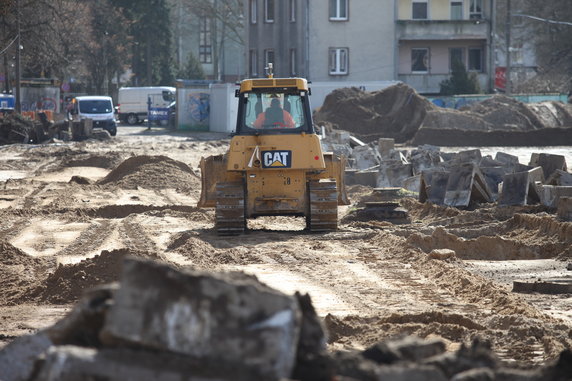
(395,112)
(18,272)
(109,160)
(68,282)
(204,256)
(153,172)
(506,113)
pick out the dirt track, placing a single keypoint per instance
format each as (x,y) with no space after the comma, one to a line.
(370,280)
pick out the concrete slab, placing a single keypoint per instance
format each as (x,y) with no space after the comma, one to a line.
(560,177)
(564,211)
(385,146)
(466,184)
(520,188)
(365,157)
(549,162)
(368,178)
(393,173)
(433,186)
(551,194)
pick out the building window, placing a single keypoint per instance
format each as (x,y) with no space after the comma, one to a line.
(456,10)
(476,59)
(293,62)
(517,53)
(269,58)
(253,11)
(456,54)
(476,9)
(292,10)
(205,48)
(339,10)
(339,61)
(420,60)
(253,63)
(269,10)
(419,10)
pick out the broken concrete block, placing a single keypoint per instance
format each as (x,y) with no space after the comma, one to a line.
(339,137)
(338,149)
(385,146)
(71,363)
(466,184)
(412,183)
(365,157)
(506,159)
(565,208)
(392,173)
(550,195)
(433,186)
(407,372)
(368,178)
(473,156)
(520,188)
(560,177)
(494,177)
(423,160)
(17,359)
(549,163)
(230,318)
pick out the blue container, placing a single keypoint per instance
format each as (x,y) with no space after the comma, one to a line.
(7,102)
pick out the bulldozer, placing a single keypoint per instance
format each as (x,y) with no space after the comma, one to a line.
(275,165)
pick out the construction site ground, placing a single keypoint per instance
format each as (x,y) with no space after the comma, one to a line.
(370,280)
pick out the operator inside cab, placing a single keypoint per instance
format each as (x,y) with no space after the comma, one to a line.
(271,112)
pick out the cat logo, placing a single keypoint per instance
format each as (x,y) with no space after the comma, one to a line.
(276,159)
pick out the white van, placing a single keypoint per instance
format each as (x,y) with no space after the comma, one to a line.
(132,102)
(97,108)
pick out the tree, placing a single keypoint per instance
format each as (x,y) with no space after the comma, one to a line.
(226,18)
(460,81)
(192,69)
(106,51)
(150,29)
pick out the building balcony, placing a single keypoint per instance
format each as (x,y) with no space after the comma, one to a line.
(430,83)
(442,29)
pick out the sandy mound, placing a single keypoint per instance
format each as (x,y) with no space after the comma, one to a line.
(395,112)
(109,160)
(18,272)
(204,256)
(68,282)
(153,172)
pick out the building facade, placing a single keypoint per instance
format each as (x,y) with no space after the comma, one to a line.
(322,40)
(431,34)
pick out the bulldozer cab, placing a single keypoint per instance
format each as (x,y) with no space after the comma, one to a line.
(267,106)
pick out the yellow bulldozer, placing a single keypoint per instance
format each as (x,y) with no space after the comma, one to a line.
(275,165)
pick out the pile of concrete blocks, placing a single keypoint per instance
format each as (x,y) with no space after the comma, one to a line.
(454,179)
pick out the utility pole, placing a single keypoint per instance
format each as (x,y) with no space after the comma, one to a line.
(508,85)
(18,105)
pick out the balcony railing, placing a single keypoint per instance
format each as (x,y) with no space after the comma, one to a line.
(442,29)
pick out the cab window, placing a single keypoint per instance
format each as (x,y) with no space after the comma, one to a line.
(273,111)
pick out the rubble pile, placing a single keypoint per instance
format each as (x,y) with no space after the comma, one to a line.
(162,323)
(459,179)
(16,129)
(400,113)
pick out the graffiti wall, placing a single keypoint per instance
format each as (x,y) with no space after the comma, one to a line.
(193,109)
(40,98)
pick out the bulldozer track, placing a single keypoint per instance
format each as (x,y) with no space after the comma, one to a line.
(229,215)
(323,206)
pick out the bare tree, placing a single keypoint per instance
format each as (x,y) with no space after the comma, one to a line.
(226,17)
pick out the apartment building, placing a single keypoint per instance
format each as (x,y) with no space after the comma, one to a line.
(322,40)
(430,34)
